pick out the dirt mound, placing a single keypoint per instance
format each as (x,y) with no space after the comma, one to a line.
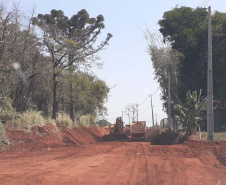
(115,137)
(52,136)
(167,138)
(218,148)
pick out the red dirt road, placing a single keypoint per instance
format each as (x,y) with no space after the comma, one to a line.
(115,163)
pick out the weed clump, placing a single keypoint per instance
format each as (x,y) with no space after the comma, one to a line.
(87,120)
(65,120)
(7,112)
(28,120)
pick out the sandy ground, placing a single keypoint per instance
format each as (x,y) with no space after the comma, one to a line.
(115,163)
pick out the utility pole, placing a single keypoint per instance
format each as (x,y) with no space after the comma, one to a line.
(156,121)
(153,123)
(210,119)
(169,101)
(122,116)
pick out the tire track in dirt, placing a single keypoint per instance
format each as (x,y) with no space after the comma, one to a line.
(146,164)
(113,163)
(139,171)
(131,171)
(118,166)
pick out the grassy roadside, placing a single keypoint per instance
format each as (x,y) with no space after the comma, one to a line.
(218,136)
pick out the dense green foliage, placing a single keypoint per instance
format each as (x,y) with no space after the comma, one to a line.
(184,33)
(190,114)
(187,29)
(103,122)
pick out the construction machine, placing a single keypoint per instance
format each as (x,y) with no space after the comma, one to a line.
(112,128)
(118,126)
(138,130)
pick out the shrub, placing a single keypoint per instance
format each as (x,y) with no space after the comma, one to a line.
(65,120)
(50,121)
(29,119)
(7,112)
(87,120)
(3,137)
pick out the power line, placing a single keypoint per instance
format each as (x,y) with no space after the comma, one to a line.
(148,97)
(206,3)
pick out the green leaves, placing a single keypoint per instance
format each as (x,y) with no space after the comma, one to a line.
(191,112)
(187,30)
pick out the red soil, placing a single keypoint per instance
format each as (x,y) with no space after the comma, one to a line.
(51,136)
(34,158)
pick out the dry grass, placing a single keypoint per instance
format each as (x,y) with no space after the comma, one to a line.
(65,120)
(3,137)
(7,112)
(87,120)
(218,136)
(27,120)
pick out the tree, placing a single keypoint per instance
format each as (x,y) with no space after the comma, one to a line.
(103,122)
(69,42)
(89,94)
(20,58)
(165,61)
(186,29)
(9,27)
(131,110)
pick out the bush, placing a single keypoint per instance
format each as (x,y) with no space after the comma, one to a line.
(87,120)
(168,138)
(3,137)
(65,120)
(27,120)
(7,112)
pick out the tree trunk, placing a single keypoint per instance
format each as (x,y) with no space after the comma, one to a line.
(71,104)
(54,94)
(72,115)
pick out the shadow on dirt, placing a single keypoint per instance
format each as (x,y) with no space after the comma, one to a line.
(168,138)
(121,138)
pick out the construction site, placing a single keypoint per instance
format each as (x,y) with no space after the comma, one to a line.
(112,92)
(94,155)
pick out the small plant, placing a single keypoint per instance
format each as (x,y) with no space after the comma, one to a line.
(65,120)
(29,119)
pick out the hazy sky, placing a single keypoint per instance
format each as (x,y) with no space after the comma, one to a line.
(126,64)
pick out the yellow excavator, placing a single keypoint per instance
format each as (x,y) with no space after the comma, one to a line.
(116,128)
(112,128)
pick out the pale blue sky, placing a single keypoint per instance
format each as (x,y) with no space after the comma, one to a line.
(125,61)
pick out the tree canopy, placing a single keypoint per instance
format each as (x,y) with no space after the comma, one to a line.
(69,42)
(187,29)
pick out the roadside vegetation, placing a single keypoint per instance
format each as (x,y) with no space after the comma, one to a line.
(27,120)
(179,55)
(46,66)
(3,136)
(218,136)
